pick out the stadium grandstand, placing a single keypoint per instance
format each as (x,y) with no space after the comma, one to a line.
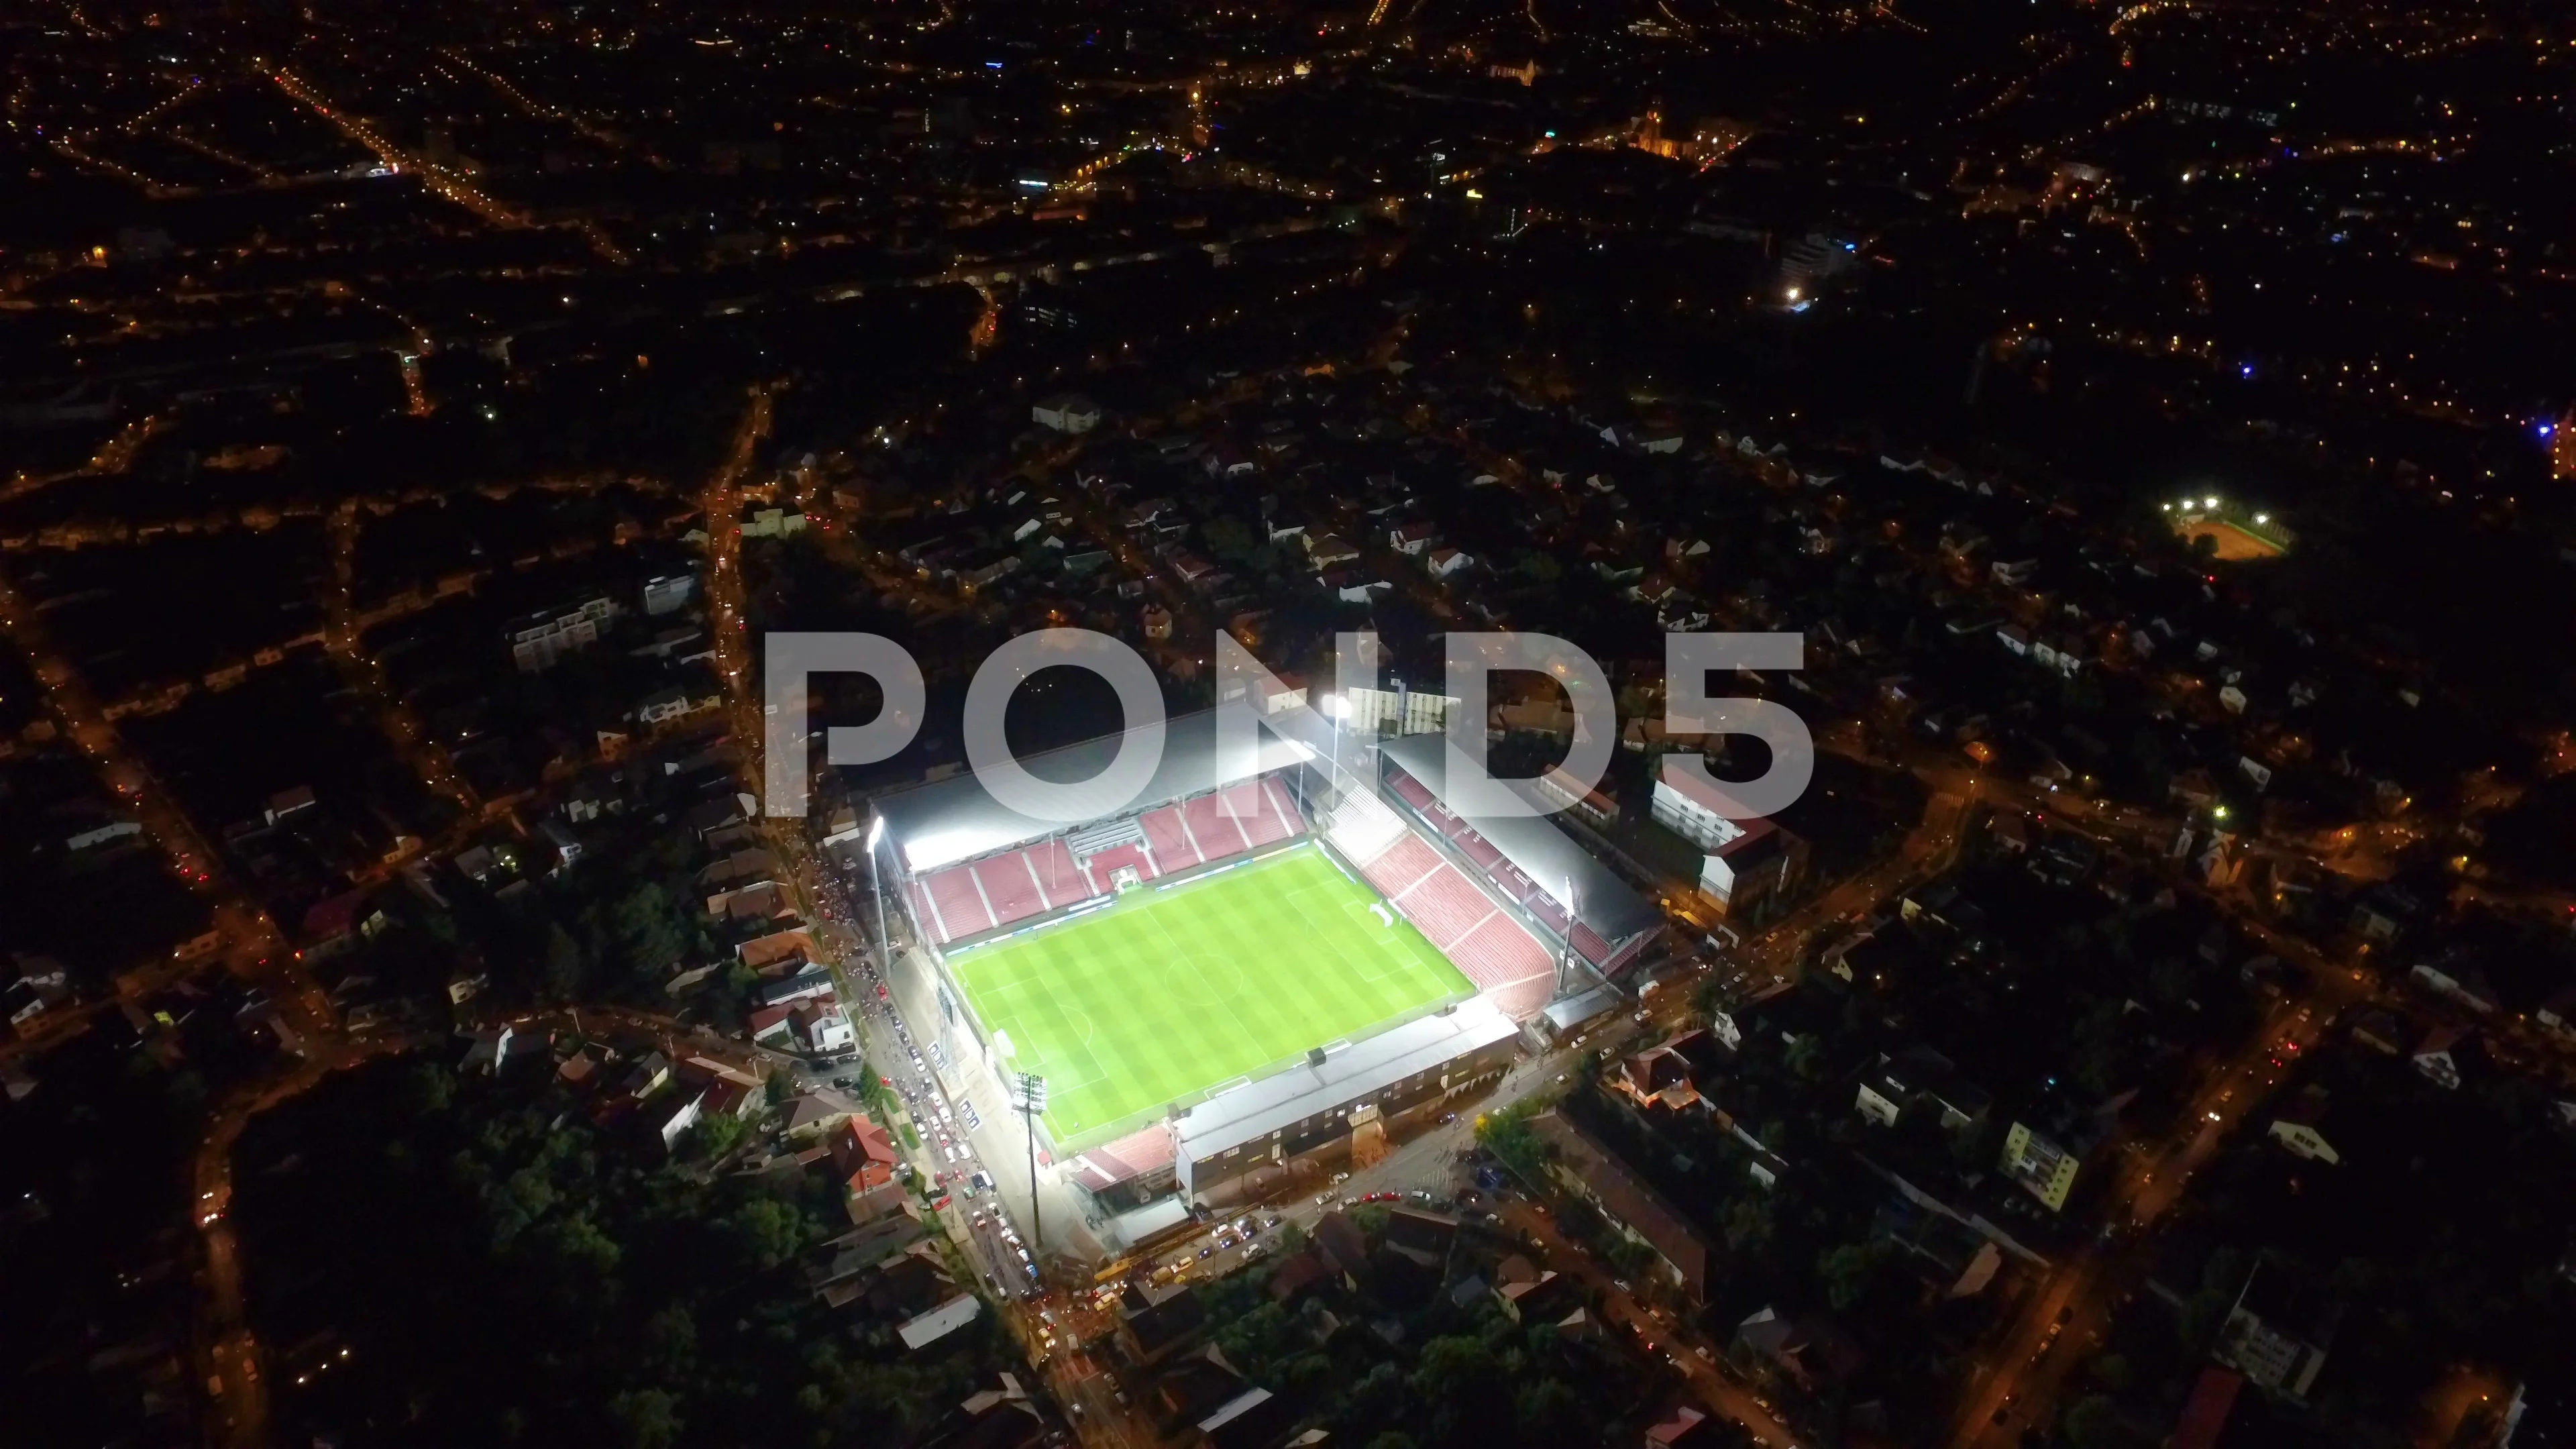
(1550,884)
(1214,977)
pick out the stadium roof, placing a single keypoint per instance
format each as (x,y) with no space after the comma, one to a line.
(1252,1112)
(1542,851)
(957,819)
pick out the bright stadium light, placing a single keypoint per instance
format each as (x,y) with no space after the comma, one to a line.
(876,894)
(2209,503)
(1033,1100)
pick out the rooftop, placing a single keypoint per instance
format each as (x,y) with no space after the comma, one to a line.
(1540,850)
(958,819)
(1254,1111)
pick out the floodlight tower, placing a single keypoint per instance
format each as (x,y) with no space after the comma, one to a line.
(1337,707)
(1033,1100)
(876,896)
(1565,957)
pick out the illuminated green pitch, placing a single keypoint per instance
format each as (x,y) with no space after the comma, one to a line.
(1171,993)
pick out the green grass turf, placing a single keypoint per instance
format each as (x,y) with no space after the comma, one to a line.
(1169,993)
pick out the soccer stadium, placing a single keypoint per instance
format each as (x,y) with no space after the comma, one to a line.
(1214,976)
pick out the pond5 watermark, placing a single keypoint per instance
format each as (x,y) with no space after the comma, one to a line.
(1251,699)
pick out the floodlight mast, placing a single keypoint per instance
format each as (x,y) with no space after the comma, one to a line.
(876,897)
(1033,1099)
(1338,708)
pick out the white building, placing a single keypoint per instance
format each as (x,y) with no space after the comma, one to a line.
(538,640)
(669,593)
(1066,413)
(1588,804)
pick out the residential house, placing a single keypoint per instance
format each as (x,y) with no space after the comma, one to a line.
(1808,1352)
(2459,978)
(560,842)
(763,901)
(788,951)
(2557,1014)
(2380,1030)
(1596,1174)
(1197,1384)
(2447,1055)
(1154,1322)
(2299,1126)
(2042,1168)
(538,640)
(2278,1334)
(1543,1299)
(1688,1428)
(674,703)
(824,1028)
(1411,539)
(1748,864)
(1343,1247)
(1329,551)
(1253,1419)
(810,982)
(494,1048)
(669,1118)
(669,593)
(816,1111)
(1445,561)
(1919,1073)
(771,1024)
(1421,1237)
(1659,1076)
(865,1160)
(2204,1414)
(926,1328)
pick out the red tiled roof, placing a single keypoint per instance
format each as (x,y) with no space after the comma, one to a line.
(2204,1417)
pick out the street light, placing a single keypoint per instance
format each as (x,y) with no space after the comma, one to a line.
(1033,1100)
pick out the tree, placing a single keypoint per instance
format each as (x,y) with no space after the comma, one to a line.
(648,930)
(1748,1223)
(720,1134)
(770,1231)
(1580,1221)
(1507,1135)
(1465,1386)
(566,968)
(671,1341)
(649,1418)
(1547,1414)
(2094,1423)
(1807,1058)
(1849,1272)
